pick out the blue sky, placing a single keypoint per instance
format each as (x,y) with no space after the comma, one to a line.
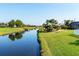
(37,14)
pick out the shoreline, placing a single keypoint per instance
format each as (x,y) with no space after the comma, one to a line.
(15,30)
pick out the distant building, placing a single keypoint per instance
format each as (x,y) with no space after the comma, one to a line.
(74,25)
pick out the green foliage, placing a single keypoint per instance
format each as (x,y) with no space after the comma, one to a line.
(67,24)
(18,23)
(50,25)
(57,27)
(11,23)
(52,21)
(64,27)
(47,27)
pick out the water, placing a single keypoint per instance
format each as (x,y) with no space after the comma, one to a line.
(20,44)
(76,31)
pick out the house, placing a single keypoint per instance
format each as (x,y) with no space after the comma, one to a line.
(74,25)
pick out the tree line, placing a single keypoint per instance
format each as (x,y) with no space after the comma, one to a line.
(13,23)
(48,26)
(53,25)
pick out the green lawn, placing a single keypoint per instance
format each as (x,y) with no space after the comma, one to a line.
(4,31)
(29,28)
(62,43)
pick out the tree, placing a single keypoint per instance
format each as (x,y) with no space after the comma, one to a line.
(50,25)
(52,21)
(47,27)
(18,23)
(67,23)
(11,23)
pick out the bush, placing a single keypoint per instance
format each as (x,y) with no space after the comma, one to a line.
(64,27)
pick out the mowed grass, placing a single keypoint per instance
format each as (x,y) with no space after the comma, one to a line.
(4,31)
(62,43)
(29,28)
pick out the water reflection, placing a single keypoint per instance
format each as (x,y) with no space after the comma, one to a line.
(20,44)
(15,36)
(12,37)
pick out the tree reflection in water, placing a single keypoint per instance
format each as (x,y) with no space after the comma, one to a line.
(15,36)
(18,35)
(12,37)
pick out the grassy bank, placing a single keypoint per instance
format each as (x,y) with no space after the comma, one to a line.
(62,43)
(4,31)
(29,28)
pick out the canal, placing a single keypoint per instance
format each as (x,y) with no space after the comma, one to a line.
(20,44)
